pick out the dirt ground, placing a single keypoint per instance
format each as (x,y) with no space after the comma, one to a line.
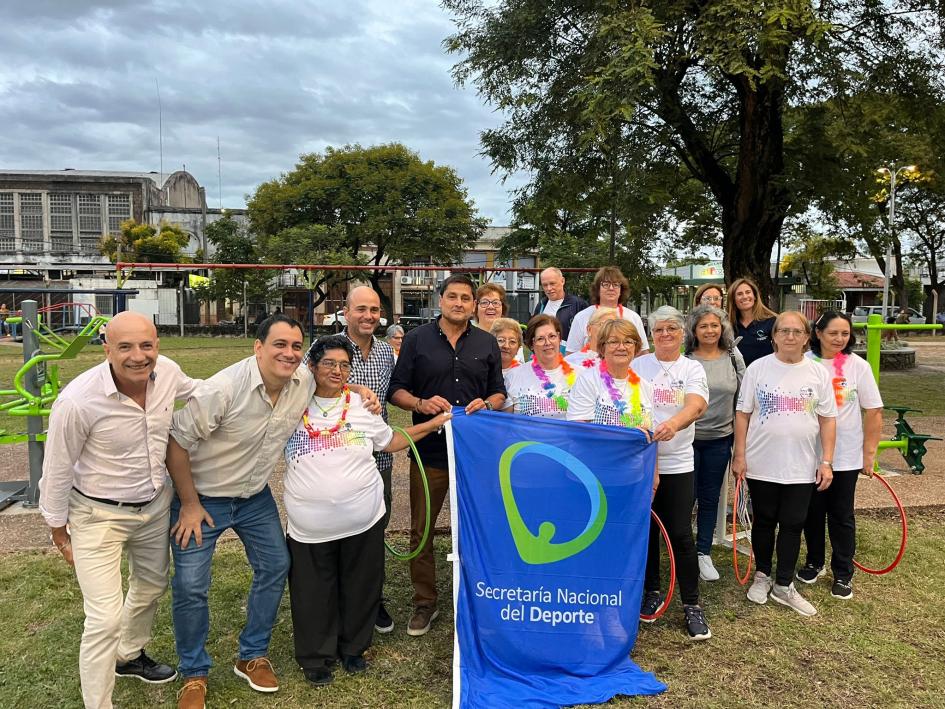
(22,528)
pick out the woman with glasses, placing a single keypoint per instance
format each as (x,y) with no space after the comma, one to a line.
(854,390)
(509,336)
(785,430)
(491,305)
(709,294)
(395,337)
(609,289)
(680,396)
(710,342)
(334,502)
(541,387)
(587,357)
(752,321)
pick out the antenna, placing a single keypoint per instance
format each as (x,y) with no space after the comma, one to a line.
(160,128)
(219,173)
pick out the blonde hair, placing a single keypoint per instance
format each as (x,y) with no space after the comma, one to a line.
(621,328)
(501,324)
(600,314)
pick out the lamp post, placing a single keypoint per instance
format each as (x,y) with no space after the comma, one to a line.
(893,173)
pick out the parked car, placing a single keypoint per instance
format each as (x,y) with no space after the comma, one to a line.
(338,318)
(862,312)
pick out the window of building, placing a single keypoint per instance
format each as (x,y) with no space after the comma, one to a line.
(7,224)
(62,216)
(119,210)
(90,221)
(103,304)
(31,221)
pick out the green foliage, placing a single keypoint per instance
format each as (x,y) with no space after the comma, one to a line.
(233,244)
(809,261)
(377,206)
(143,242)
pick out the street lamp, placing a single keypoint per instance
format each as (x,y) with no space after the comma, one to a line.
(893,173)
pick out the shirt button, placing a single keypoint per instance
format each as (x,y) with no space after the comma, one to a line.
(457,380)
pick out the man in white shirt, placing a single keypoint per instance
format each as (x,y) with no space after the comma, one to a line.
(557,302)
(104,490)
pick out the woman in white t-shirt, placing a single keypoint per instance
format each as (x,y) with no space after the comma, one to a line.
(680,396)
(785,430)
(541,387)
(609,289)
(334,502)
(508,334)
(587,357)
(854,389)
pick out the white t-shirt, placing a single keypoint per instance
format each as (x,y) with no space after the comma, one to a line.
(577,337)
(332,487)
(590,401)
(526,391)
(785,401)
(583,360)
(551,307)
(857,390)
(671,383)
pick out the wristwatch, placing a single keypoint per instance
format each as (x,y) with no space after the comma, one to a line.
(827,463)
(489,405)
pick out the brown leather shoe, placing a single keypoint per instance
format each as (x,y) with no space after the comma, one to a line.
(259,673)
(422,619)
(193,694)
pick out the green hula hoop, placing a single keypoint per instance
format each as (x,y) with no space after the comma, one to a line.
(407,556)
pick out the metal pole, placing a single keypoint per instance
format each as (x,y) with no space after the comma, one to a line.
(245,312)
(874,336)
(34,424)
(892,232)
(182,304)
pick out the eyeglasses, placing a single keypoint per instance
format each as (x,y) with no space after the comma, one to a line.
(668,330)
(620,343)
(490,303)
(330,364)
(610,285)
(710,299)
(791,332)
(503,341)
(546,339)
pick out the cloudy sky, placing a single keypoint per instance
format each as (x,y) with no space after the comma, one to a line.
(272,79)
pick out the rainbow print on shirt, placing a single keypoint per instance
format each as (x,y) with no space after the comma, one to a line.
(664,396)
(845,392)
(532,405)
(774,403)
(606,414)
(302,444)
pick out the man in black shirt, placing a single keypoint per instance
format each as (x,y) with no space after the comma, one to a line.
(442,364)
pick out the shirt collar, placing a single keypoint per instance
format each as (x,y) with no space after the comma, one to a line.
(469,326)
(357,347)
(255,376)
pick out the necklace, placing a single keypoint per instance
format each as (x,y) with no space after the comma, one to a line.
(635,416)
(549,386)
(316,432)
(668,371)
(327,411)
(838,380)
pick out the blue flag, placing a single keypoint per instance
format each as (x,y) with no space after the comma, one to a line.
(551,522)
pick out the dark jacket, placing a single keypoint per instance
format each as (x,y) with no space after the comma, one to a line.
(570,306)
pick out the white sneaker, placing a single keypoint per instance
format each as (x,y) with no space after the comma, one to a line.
(758,593)
(788,596)
(707,570)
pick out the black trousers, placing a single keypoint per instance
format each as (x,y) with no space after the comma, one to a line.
(673,505)
(335,589)
(835,506)
(782,507)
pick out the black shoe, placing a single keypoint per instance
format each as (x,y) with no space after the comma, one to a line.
(696,626)
(384,623)
(147,670)
(810,573)
(652,600)
(842,590)
(353,663)
(319,676)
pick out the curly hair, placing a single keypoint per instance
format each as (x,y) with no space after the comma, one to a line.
(332,342)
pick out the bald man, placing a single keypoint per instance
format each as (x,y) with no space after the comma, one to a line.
(105,491)
(556,302)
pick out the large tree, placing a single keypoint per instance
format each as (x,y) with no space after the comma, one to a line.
(709,82)
(232,243)
(143,242)
(379,206)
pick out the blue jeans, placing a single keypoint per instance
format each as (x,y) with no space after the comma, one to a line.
(256,521)
(711,458)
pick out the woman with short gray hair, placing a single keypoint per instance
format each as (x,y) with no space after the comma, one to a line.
(680,396)
(394,337)
(710,341)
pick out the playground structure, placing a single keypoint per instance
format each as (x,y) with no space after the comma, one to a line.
(37,384)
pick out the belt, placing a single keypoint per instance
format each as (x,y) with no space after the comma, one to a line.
(116,503)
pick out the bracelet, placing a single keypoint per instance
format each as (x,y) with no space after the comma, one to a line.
(416,407)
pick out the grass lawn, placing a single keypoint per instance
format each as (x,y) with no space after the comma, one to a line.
(880,649)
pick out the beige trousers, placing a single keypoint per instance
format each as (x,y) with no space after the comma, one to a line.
(117,628)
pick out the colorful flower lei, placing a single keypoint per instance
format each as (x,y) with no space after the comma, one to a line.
(316,432)
(549,386)
(635,416)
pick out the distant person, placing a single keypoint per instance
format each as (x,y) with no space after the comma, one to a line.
(491,305)
(588,357)
(4,314)
(508,335)
(752,320)
(395,338)
(711,294)
(609,289)
(105,491)
(556,302)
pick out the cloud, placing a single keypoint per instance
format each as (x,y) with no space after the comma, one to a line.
(272,80)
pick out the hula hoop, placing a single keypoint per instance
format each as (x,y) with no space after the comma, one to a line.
(905,533)
(672,572)
(742,580)
(407,556)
